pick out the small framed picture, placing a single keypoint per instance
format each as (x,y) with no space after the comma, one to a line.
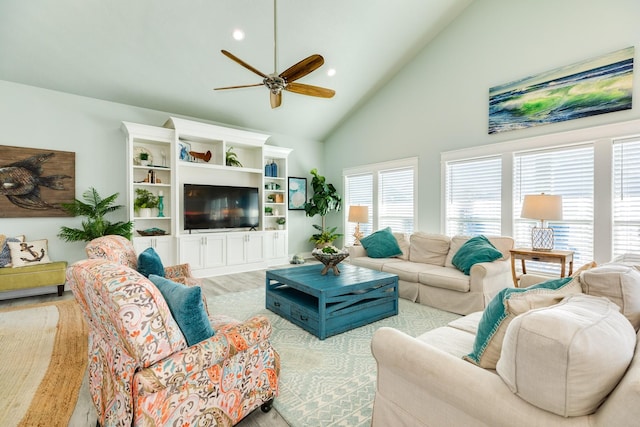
(297,193)
(185,147)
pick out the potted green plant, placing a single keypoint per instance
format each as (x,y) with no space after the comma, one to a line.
(268,210)
(324,200)
(231,158)
(281,222)
(95,208)
(145,201)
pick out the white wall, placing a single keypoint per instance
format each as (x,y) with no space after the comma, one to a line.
(440,101)
(38,118)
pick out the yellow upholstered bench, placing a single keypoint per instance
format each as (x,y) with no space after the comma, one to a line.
(34,276)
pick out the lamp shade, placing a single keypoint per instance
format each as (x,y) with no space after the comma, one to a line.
(359,214)
(542,206)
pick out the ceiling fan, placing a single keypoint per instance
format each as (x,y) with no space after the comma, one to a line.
(275,82)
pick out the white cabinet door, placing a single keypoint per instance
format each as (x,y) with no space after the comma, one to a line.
(275,245)
(205,251)
(191,251)
(162,245)
(244,248)
(215,251)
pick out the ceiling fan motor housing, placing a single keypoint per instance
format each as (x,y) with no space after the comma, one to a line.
(275,83)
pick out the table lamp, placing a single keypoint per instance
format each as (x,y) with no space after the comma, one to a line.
(542,207)
(358,214)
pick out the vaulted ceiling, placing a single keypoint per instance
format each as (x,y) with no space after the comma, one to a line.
(165,54)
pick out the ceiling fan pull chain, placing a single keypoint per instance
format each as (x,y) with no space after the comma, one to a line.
(275,39)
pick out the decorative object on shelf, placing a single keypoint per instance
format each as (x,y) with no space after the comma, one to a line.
(277,82)
(142,156)
(185,148)
(231,158)
(358,214)
(595,86)
(330,256)
(160,204)
(297,193)
(271,198)
(542,207)
(281,222)
(279,198)
(95,209)
(145,201)
(205,157)
(152,232)
(324,200)
(268,211)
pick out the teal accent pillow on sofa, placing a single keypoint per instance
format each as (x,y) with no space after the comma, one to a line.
(488,341)
(381,244)
(475,250)
(149,262)
(187,308)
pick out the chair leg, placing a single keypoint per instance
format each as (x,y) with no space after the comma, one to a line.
(266,406)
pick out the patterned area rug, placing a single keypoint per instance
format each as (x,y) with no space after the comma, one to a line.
(331,382)
(42,363)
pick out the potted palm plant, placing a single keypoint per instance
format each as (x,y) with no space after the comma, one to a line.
(95,208)
(324,200)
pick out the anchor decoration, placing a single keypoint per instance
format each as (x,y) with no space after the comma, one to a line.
(25,247)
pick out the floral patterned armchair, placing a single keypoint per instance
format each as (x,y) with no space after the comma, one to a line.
(141,370)
(120,249)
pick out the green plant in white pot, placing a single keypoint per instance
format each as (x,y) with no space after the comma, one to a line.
(145,201)
(324,200)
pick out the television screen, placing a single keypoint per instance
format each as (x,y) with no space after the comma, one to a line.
(217,206)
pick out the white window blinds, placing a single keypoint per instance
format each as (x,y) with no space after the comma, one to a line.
(626,196)
(359,191)
(565,171)
(473,196)
(396,200)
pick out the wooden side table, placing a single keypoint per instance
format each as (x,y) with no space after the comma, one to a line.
(528,254)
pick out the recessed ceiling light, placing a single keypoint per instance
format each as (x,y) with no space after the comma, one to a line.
(238,34)
(331,72)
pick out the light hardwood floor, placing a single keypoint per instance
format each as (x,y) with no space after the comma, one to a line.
(85,415)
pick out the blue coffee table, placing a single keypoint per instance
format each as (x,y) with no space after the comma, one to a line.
(326,305)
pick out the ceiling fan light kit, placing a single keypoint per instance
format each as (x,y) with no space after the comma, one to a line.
(276,83)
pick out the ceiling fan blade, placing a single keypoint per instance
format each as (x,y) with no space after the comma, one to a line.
(241,62)
(275,98)
(305,89)
(238,87)
(302,68)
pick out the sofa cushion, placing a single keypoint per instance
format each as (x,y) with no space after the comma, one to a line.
(5,252)
(373,263)
(446,278)
(456,342)
(568,357)
(403,243)
(407,270)
(475,250)
(187,308)
(29,253)
(500,312)
(149,262)
(428,248)
(381,244)
(455,245)
(619,283)
(502,243)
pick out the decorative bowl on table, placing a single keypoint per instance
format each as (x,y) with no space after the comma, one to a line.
(330,256)
(152,232)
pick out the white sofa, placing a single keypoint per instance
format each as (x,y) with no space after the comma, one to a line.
(426,274)
(424,381)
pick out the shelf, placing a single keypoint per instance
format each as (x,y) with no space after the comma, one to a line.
(137,218)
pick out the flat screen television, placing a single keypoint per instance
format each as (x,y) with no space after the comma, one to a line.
(210,207)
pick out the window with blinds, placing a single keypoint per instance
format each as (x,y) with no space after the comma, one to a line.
(473,196)
(626,196)
(359,191)
(566,171)
(388,189)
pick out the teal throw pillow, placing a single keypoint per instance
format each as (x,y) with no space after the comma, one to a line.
(475,250)
(187,308)
(381,244)
(149,262)
(5,253)
(492,321)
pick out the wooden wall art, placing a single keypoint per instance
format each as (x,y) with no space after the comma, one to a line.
(34,182)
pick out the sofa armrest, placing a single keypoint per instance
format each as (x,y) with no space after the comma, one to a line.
(490,277)
(435,388)
(176,271)
(228,341)
(356,251)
